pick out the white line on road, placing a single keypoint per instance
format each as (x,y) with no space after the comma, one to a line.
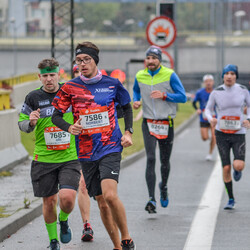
(201,233)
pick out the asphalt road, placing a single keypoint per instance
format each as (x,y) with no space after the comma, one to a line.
(194,219)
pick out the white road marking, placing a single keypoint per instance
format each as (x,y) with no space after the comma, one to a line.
(201,233)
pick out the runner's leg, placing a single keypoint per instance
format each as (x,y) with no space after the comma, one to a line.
(150,145)
(109,190)
(108,221)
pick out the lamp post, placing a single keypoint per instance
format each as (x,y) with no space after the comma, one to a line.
(13,22)
(118,30)
(239,14)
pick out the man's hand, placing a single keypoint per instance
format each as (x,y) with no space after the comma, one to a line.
(246,124)
(126,139)
(157,94)
(198,111)
(76,128)
(136,104)
(213,122)
(34,116)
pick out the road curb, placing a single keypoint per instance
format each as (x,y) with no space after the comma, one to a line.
(19,219)
(22,217)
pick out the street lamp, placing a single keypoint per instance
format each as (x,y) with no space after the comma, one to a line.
(118,30)
(13,22)
(239,14)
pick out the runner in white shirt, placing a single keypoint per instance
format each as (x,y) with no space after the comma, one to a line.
(230,125)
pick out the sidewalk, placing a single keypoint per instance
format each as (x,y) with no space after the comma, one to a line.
(17,188)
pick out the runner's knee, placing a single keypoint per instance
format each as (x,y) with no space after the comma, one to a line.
(238,165)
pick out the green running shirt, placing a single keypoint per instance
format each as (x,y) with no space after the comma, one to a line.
(38,98)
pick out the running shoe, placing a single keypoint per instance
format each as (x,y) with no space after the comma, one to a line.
(65,231)
(87,233)
(209,157)
(230,205)
(128,245)
(54,245)
(164,195)
(151,207)
(237,175)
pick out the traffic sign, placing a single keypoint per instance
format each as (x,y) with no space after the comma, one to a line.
(167,60)
(161,31)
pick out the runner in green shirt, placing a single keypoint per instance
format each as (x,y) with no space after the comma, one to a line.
(55,167)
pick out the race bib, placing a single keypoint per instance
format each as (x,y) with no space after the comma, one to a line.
(230,124)
(158,129)
(95,120)
(56,139)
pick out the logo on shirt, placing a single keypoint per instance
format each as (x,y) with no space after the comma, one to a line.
(44,102)
(103,90)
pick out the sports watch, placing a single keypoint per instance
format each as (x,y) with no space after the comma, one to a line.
(131,131)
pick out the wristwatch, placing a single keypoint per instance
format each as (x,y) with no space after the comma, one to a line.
(131,131)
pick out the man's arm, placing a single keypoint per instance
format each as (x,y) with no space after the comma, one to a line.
(179,94)
(126,139)
(57,119)
(210,108)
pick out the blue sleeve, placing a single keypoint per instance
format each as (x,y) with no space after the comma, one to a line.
(122,95)
(136,91)
(197,96)
(179,94)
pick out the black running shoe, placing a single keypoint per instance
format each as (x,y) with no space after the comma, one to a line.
(128,245)
(54,245)
(87,233)
(151,207)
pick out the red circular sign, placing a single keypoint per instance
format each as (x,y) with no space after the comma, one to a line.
(161,31)
(167,60)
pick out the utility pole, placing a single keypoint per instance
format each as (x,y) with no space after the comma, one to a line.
(62,33)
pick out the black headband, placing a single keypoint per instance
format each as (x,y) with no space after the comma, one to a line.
(89,51)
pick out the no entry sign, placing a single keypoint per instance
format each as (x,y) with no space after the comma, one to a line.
(161,31)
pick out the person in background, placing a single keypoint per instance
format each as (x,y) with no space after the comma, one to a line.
(202,96)
(160,90)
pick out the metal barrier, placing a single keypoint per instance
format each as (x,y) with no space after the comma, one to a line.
(18,80)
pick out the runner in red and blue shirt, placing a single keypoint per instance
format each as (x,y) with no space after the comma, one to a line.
(99,141)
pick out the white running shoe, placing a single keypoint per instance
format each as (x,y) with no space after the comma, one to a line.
(209,157)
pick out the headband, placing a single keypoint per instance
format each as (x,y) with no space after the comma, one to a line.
(89,51)
(49,70)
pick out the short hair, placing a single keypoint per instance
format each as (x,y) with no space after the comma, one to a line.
(206,77)
(48,62)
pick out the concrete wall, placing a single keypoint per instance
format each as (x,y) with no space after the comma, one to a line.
(12,151)
(20,91)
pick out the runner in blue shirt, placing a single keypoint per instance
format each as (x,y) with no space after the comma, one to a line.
(202,96)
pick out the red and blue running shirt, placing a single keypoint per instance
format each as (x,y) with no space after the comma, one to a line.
(95,105)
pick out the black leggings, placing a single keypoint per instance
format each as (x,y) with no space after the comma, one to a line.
(165,146)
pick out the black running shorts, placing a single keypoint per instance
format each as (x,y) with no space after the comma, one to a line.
(48,178)
(204,124)
(226,142)
(108,167)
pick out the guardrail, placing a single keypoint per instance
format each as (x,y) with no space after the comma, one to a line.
(18,80)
